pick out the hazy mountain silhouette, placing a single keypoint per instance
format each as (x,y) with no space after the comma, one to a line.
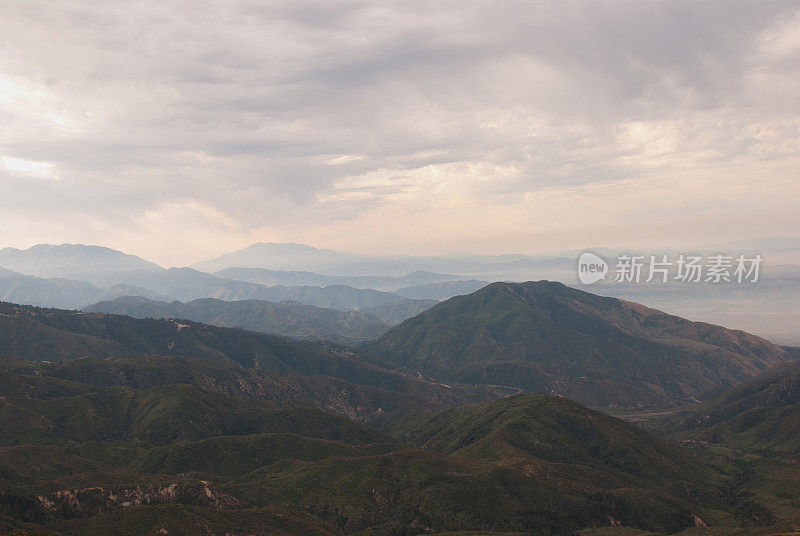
(98,265)
(302,257)
(263,276)
(62,293)
(441,290)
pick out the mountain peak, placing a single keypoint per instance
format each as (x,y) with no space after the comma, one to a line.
(72,261)
(543,336)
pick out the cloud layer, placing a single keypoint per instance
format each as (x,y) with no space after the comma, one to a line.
(179,130)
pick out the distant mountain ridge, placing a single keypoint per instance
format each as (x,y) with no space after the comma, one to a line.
(95,264)
(62,293)
(187,284)
(442,290)
(267,277)
(767,309)
(288,319)
(547,337)
(74,276)
(4,272)
(280,256)
(394,313)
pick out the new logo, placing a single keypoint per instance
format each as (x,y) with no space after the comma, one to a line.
(591,268)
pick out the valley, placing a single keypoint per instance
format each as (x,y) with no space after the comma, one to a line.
(513,408)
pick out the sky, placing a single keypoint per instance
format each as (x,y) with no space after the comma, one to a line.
(180,130)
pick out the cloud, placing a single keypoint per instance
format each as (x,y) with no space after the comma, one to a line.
(29,168)
(305,121)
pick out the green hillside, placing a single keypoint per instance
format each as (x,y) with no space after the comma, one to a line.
(546,337)
(247,363)
(234,432)
(372,394)
(431,492)
(532,429)
(163,415)
(761,415)
(528,462)
(288,319)
(94,456)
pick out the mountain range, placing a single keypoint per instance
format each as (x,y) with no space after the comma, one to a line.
(178,459)
(76,276)
(389,283)
(230,360)
(57,276)
(302,257)
(111,424)
(556,265)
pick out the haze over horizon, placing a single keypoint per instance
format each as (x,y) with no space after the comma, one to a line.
(790,244)
(180,131)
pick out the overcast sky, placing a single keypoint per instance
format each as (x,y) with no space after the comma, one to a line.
(180,130)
